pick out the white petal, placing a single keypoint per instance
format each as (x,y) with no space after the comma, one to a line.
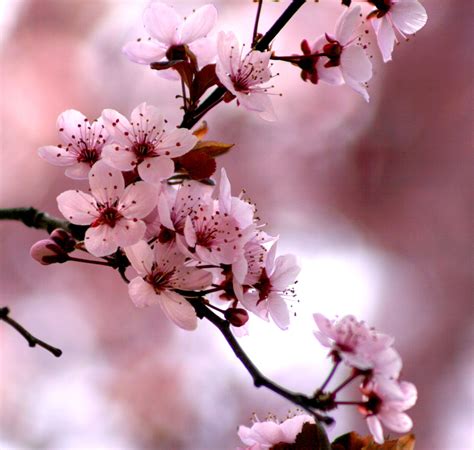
(293,426)
(118,127)
(190,279)
(385,37)
(228,53)
(77,207)
(205,50)
(67,124)
(347,24)
(198,24)
(140,256)
(162,22)
(330,75)
(224,193)
(118,158)
(164,212)
(147,121)
(285,272)
(57,156)
(138,200)
(128,232)
(144,51)
(79,171)
(142,293)
(178,310)
(107,184)
(155,170)
(396,421)
(356,64)
(375,428)
(240,269)
(100,241)
(278,311)
(409,16)
(358,87)
(176,143)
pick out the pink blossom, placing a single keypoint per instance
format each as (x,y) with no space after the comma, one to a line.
(161,270)
(48,252)
(344,60)
(382,406)
(358,345)
(143,143)
(81,145)
(171,36)
(266,296)
(244,77)
(264,435)
(112,211)
(403,16)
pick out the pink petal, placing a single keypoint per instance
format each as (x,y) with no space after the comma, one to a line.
(100,241)
(410,395)
(385,37)
(270,259)
(142,293)
(190,279)
(144,51)
(107,184)
(118,158)
(57,156)
(240,269)
(285,272)
(118,127)
(147,122)
(162,21)
(409,16)
(128,232)
(138,200)
(293,426)
(278,310)
(141,257)
(228,52)
(358,87)
(67,124)
(164,211)
(79,171)
(198,24)
(77,207)
(356,64)
(347,24)
(223,76)
(178,310)
(176,143)
(396,421)
(155,170)
(324,325)
(375,428)
(256,101)
(323,339)
(225,196)
(267,433)
(205,50)
(190,232)
(330,75)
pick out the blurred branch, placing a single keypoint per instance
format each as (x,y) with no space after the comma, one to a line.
(192,117)
(305,402)
(33,218)
(32,340)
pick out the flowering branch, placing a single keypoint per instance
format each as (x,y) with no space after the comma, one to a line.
(33,218)
(32,340)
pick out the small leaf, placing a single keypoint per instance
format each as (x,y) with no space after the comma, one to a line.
(201,131)
(204,79)
(198,164)
(212,148)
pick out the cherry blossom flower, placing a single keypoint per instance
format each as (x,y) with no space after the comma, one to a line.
(244,77)
(81,146)
(383,407)
(358,345)
(112,211)
(344,61)
(143,143)
(171,36)
(161,270)
(47,251)
(403,16)
(266,298)
(264,435)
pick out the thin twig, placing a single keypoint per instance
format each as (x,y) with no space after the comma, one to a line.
(257,19)
(33,218)
(32,340)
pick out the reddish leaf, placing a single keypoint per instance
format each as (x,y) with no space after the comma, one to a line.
(212,148)
(203,80)
(198,164)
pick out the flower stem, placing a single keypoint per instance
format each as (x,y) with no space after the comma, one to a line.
(329,377)
(352,377)
(90,261)
(257,19)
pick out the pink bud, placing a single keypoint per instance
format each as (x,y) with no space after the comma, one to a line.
(47,252)
(236,316)
(63,239)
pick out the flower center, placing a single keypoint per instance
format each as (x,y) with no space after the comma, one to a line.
(383,7)
(333,51)
(143,150)
(108,216)
(88,155)
(264,286)
(176,53)
(160,280)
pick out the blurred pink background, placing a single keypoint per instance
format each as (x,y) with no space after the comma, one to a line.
(375,200)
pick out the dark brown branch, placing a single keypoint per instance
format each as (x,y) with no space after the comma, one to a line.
(193,117)
(32,340)
(257,19)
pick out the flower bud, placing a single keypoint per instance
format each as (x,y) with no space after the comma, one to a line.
(236,316)
(63,239)
(47,252)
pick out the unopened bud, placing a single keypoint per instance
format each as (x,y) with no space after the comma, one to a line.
(236,316)
(47,252)
(63,239)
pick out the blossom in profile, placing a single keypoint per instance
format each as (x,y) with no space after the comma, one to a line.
(143,143)
(356,344)
(267,434)
(161,269)
(171,36)
(382,406)
(112,211)
(245,78)
(343,60)
(81,146)
(403,16)
(266,296)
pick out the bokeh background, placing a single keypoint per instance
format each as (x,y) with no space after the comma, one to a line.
(375,200)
